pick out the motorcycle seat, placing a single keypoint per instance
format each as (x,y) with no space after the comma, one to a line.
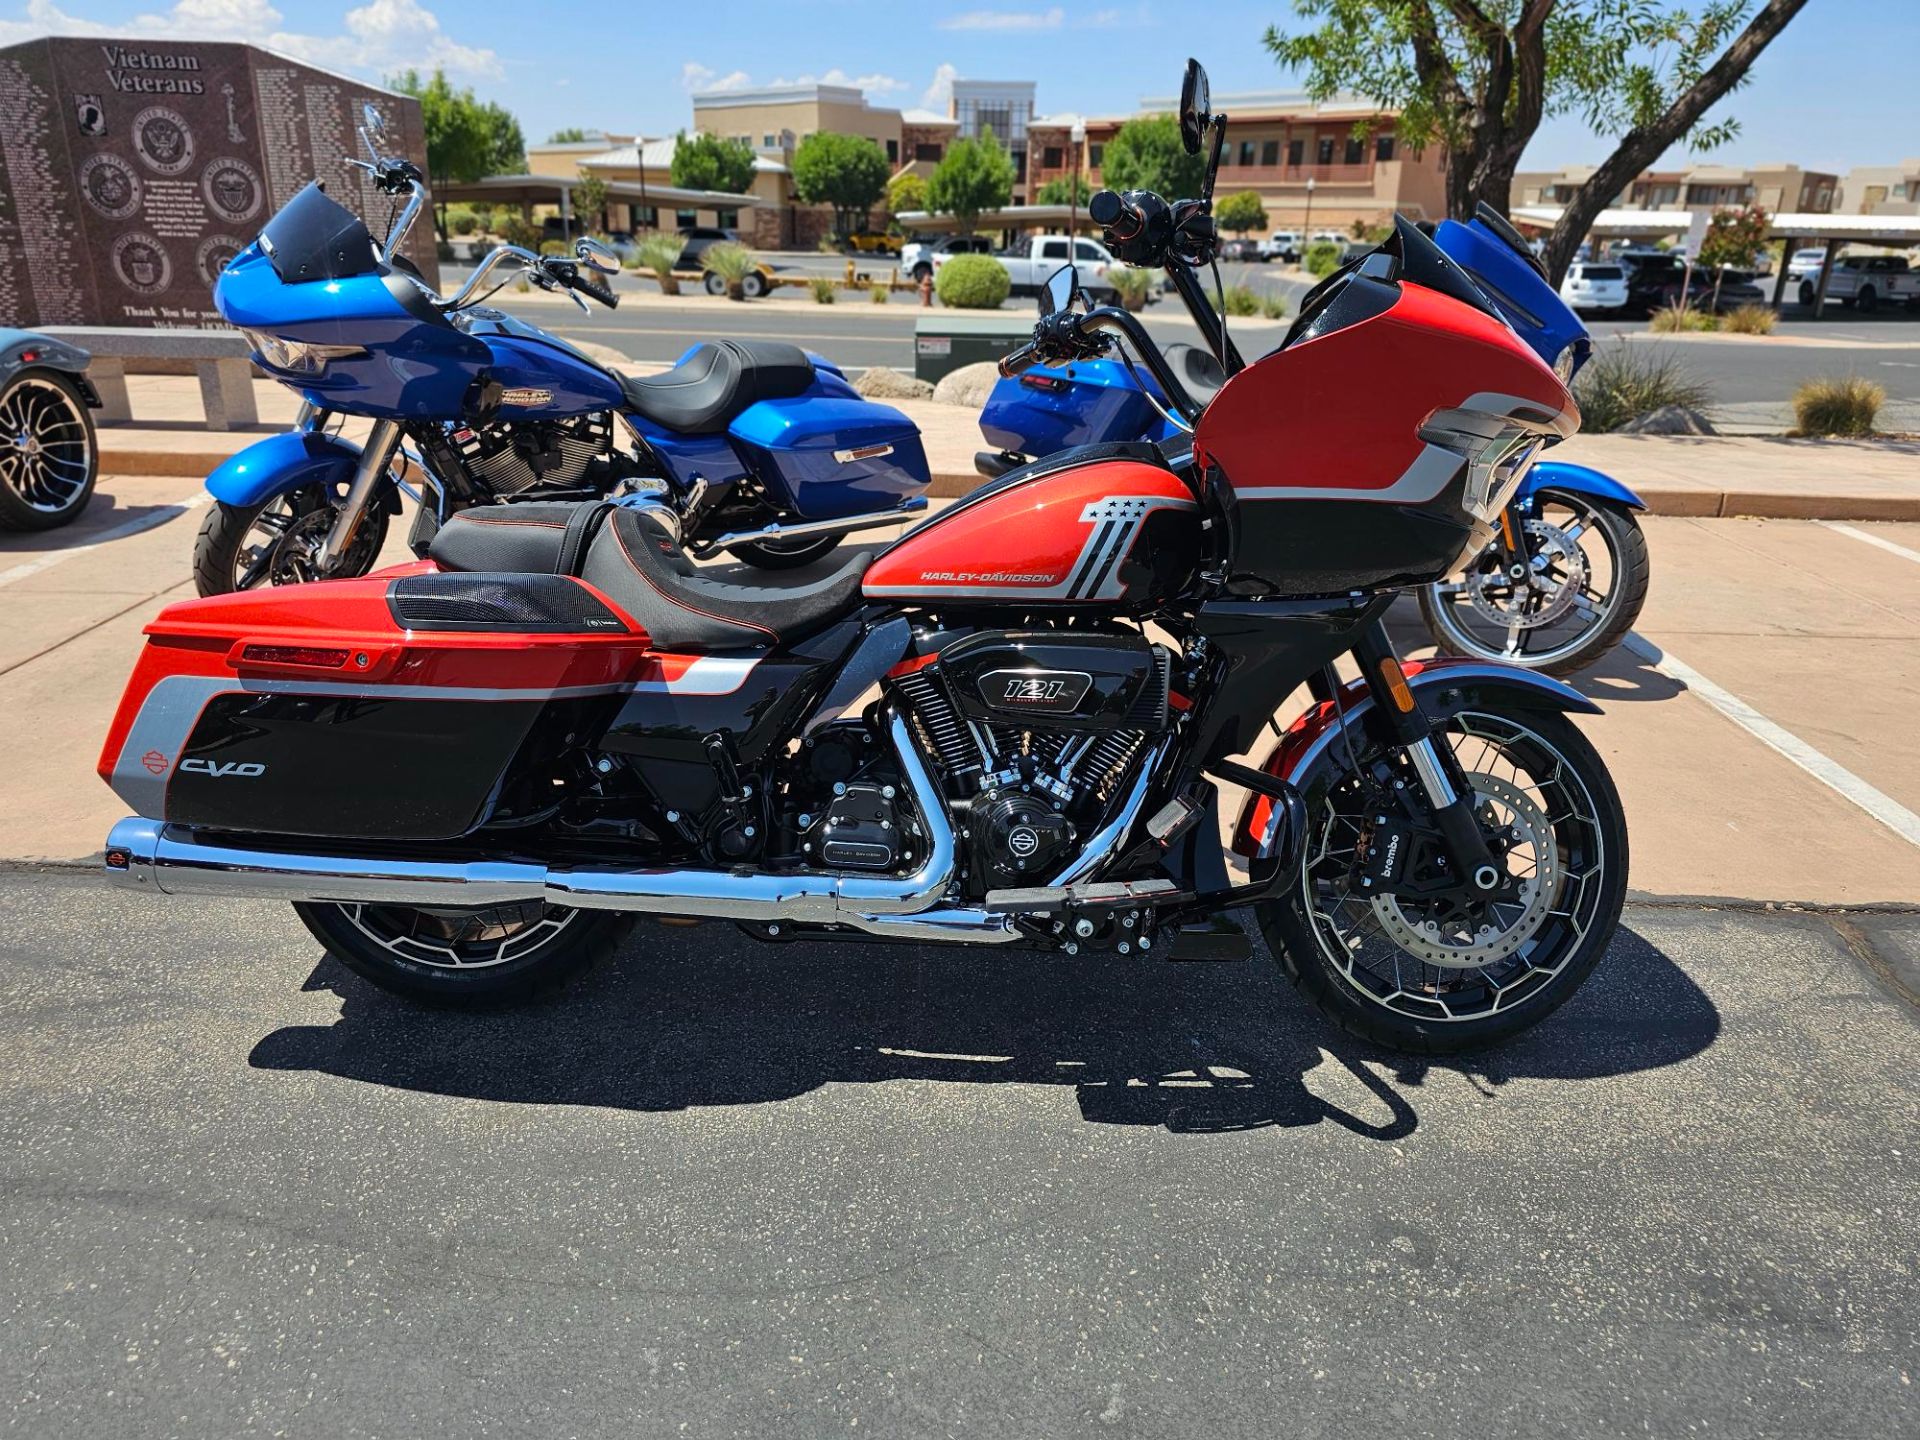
(703,393)
(629,555)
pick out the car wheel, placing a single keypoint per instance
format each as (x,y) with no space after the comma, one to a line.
(922,270)
(754,286)
(1868,301)
(1807,293)
(49,454)
(715,285)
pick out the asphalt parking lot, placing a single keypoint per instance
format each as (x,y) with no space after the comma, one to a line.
(724,1189)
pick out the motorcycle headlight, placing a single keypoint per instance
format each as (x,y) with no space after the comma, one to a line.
(296,357)
(1568,362)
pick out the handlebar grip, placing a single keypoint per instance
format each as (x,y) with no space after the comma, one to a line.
(1015,361)
(1110,211)
(596,288)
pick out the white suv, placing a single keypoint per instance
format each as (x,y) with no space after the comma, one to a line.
(1595,285)
(1281,245)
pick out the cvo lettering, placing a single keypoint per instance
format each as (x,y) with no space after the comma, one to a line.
(221,769)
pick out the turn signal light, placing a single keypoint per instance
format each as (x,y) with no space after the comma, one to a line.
(307,656)
(1396,682)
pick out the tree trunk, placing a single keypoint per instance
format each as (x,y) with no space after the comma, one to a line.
(1640,148)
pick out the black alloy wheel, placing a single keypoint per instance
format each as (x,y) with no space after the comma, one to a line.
(49,454)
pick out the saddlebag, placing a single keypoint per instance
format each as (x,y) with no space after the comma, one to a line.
(851,456)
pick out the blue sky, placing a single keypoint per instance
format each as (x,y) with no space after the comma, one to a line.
(1837,89)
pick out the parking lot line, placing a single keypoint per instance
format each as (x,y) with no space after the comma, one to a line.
(1867,537)
(160,515)
(1828,771)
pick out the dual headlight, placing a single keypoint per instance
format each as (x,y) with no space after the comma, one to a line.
(296,357)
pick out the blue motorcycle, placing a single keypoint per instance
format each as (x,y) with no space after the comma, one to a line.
(760,448)
(1563,578)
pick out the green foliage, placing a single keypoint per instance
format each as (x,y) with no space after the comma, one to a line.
(848,172)
(483,214)
(877,292)
(707,162)
(589,202)
(1624,381)
(1322,258)
(465,139)
(972,282)
(974,177)
(1065,190)
(1146,154)
(463,223)
(1838,405)
(555,247)
(1132,285)
(516,231)
(1240,212)
(731,261)
(823,288)
(906,191)
(1752,320)
(658,254)
(1734,237)
(1239,300)
(571,135)
(1274,307)
(1681,320)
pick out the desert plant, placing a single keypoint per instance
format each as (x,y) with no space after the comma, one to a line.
(972,282)
(732,262)
(463,222)
(1133,286)
(1239,300)
(1837,405)
(516,231)
(659,253)
(1752,320)
(555,247)
(1624,381)
(1322,258)
(877,292)
(823,288)
(1681,319)
(1274,307)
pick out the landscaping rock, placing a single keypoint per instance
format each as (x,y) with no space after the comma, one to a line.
(883,382)
(1669,420)
(968,386)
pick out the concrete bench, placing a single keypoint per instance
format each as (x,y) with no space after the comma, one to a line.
(219,358)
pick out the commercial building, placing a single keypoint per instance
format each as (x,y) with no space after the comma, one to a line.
(1882,189)
(1774,188)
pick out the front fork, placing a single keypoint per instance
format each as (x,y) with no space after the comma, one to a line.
(382,443)
(1450,799)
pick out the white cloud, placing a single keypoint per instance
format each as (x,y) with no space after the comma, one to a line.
(1049,19)
(381,36)
(873,84)
(1137,18)
(695,76)
(939,94)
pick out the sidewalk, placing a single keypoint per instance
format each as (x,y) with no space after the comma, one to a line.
(1763,476)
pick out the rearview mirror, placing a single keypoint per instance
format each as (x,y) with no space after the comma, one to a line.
(1196,107)
(596,256)
(1057,295)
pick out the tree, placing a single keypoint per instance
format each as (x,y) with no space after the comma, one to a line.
(906,191)
(572,135)
(973,177)
(590,202)
(707,162)
(1065,190)
(1734,238)
(1478,78)
(848,172)
(1241,212)
(465,139)
(1146,154)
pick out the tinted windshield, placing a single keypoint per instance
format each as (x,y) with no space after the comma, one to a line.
(314,238)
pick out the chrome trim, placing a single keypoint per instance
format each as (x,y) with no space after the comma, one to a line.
(1109,836)
(382,443)
(1433,779)
(846,524)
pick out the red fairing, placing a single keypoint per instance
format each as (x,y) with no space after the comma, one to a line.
(1063,537)
(1326,415)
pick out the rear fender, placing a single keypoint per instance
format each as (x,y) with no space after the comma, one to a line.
(283,463)
(1304,755)
(1574,480)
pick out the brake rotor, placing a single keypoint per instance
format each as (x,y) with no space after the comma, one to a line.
(1551,547)
(1456,944)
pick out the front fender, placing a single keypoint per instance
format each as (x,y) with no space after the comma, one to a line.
(1443,685)
(1577,480)
(281,463)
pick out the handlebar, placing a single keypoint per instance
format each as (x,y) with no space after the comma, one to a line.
(1063,336)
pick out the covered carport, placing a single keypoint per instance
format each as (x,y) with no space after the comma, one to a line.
(527,191)
(1894,232)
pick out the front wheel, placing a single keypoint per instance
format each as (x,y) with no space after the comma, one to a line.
(1427,969)
(454,957)
(1582,592)
(754,285)
(277,540)
(784,554)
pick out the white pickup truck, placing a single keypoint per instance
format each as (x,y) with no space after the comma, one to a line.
(1864,281)
(1031,262)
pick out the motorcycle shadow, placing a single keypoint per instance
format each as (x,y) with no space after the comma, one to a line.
(707,1017)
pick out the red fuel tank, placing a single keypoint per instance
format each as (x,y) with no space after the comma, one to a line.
(1119,533)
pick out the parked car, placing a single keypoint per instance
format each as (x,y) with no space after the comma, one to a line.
(918,257)
(1595,285)
(1246,252)
(1031,262)
(695,241)
(1867,281)
(1281,245)
(51,456)
(870,242)
(1805,264)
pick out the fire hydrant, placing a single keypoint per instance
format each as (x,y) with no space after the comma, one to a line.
(926,292)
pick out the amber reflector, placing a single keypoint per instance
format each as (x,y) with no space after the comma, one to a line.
(1396,681)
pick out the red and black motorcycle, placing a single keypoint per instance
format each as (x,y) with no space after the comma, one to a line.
(1015,726)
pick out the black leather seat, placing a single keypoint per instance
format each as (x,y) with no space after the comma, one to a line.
(628,554)
(702,394)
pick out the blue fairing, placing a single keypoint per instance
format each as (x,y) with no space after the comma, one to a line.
(1049,408)
(281,463)
(1577,480)
(1532,306)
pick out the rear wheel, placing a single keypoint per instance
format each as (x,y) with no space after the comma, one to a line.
(452,957)
(275,542)
(1807,292)
(754,285)
(49,455)
(785,554)
(1869,300)
(1437,973)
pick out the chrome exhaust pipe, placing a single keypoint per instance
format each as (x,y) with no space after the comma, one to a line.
(811,529)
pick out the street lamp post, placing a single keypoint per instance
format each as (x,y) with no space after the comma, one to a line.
(1306,226)
(1079,137)
(640,162)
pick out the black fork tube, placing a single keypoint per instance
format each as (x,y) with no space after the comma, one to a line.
(1442,784)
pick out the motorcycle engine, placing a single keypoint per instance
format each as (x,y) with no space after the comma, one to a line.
(511,459)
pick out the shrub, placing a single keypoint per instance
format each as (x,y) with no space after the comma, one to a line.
(1681,319)
(827,245)
(877,292)
(1133,286)
(658,254)
(1323,258)
(1624,381)
(1837,405)
(732,262)
(1239,300)
(972,282)
(463,223)
(823,288)
(555,247)
(1274,307)
(516,231)
(1752,320)
(443,250)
